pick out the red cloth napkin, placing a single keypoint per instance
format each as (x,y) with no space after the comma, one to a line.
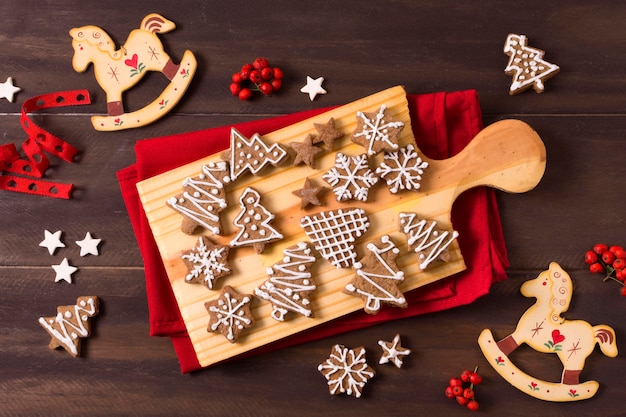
(443,123)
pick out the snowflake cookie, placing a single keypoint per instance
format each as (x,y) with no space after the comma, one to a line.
(351,177)
(377,132)
(377,277)
(254,222)
(393,351)
(206,262)
(346,371)
(333,233)
(425,239)
(70,324)
(290,282)
(251,155)
(526,65)
(230,313)
(402,169)
(202,199)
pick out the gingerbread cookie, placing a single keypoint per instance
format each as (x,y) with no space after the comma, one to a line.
(309,194)
(377,132)
(305,151)
(346,371)
(333,233)
(206,262)
(377,277)
(402,169)
(393,352)
(230,313)
(71,324)
(290,283)
(253,222)
(326,133)
(351,177)
(526,65)
(202,199)
(425,239)
(251,155)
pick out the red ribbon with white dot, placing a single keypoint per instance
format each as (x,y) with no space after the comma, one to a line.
(35,163)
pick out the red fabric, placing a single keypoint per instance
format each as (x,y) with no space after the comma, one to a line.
(443,123)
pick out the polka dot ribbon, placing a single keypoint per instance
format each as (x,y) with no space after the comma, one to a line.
(29,169)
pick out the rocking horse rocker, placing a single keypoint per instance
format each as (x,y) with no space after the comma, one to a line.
(118,70)
(542,328)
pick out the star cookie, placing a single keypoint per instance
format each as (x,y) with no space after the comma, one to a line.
(230,313)
(52,241)
(64,271)
(313,87)
(393,352)
(327,133)
(309,194)
(89,245)
(305,151)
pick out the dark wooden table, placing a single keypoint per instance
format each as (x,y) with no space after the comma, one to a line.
(360,47)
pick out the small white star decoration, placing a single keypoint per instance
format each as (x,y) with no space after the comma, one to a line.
(8,90)
(52,241)
(89,245)
(393,351)
(313,87)
(64,271)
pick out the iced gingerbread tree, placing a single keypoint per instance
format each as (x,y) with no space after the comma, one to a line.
(253,222)
(426,239)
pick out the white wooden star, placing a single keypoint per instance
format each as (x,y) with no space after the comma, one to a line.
(89,245)
(7,89)
(313,87)
(393,352)
(64,271)
(52,241)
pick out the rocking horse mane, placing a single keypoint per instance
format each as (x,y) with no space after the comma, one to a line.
(557,294)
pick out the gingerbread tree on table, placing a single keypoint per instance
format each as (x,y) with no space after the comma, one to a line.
(253,222)
(377,277)
(290,282)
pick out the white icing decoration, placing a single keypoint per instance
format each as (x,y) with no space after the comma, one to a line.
(230,315)
(526,64)
(60,325)
(207,196)
(404,169)
(376,130)
(346,371)
(250,197)
(393,353)
(286,278)
(333,233)
(419,233)
(347,182)
(209,263)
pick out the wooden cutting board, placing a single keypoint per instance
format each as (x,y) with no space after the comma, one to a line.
(507,155)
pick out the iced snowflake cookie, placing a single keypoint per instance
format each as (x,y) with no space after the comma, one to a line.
(425,239)
(253,222)
(351,177)
(327,133)
(230,313)
(202,199)
(377,132)
(206,262)
(346,371)
(251,155)
(333,233)
(70,324)
(290,282)
(377,277)
(402,169)
(393,351)
(526,65)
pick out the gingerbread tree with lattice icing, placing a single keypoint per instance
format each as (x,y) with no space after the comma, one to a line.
(202,199)
(253,222)
(377,277)
(290,282)
(428,241)
(70,324)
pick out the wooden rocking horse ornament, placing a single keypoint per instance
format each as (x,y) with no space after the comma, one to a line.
(118,70)
(542,328)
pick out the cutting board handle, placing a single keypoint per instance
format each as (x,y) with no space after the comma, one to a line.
(508,155)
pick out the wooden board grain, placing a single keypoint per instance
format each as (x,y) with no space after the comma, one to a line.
(490,161)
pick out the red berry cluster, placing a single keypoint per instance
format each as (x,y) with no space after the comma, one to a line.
(609,261)
(462,389)
(257,76)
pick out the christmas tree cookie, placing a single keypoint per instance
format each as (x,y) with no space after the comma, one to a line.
(253,222)
(206,262)
(425,239)
(377,277)
(251,155)
(526,65)
(290,283)
(71,324)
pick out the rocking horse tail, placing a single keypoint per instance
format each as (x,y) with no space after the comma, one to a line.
(155,23)
(605,336)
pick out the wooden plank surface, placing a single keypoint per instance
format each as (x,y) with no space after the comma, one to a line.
(360,48)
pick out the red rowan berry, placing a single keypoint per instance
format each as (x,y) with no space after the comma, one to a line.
(473,405)
(591,257)
(600,248)
(608,257)
(596,268)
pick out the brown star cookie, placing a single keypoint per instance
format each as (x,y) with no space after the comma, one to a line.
(230,313)
(305,151)
(327,133)
(309,194)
